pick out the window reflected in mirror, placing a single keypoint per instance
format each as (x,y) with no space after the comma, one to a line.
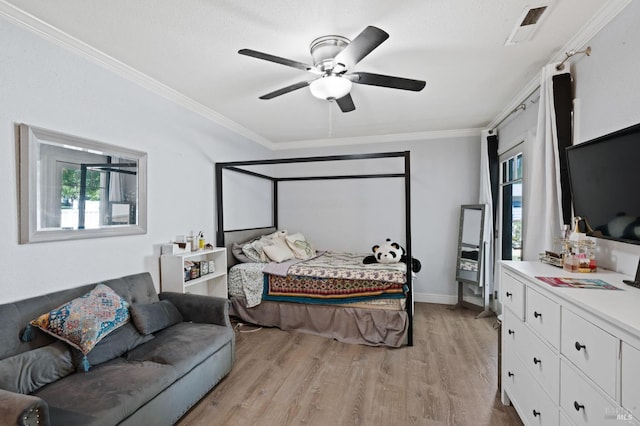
(511,184)
(77,188)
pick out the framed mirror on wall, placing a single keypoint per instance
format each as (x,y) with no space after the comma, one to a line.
(73,188)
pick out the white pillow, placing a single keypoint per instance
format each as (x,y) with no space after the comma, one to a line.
(300,247)
(277,253)
(295,237)
(281,234)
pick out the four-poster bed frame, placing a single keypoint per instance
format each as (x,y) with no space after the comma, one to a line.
(237,166)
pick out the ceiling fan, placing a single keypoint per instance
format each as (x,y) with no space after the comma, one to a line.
(333,58)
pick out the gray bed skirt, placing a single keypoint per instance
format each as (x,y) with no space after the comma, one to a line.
(374,327)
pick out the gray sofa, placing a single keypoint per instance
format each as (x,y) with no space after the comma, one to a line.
(153,383)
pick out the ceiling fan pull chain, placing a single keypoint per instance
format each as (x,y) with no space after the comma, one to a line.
(330,119)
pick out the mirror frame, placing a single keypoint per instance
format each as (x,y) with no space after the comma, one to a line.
(466,277)
(29,151)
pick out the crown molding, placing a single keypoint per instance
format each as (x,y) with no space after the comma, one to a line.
(361,140)
(592,27)
(60,38)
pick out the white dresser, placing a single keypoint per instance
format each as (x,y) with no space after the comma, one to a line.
(570,356)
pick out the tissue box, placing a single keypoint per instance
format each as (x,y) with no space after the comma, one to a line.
(175,248)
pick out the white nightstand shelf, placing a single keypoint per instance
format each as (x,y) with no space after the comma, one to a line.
(173,277)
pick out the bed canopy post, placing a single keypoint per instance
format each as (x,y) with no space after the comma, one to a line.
(275,203)
(219,209)
(407,221)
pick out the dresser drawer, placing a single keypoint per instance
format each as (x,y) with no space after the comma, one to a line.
(630,374)
(512,370)
(512,331)
(584,404)
(542,362)
(512,294)
(591,349)
(543,316)
(531,402)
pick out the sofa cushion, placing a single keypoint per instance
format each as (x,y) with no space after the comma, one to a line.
(29,371)
(115,344)
(9,332)
(107,394)
(183,345)
(151,317)
(84,321)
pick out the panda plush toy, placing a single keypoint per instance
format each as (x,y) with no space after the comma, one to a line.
(390,252)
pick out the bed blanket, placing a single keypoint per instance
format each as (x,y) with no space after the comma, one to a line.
(328,290)
(348,266)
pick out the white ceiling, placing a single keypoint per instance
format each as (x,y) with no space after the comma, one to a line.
(187,51)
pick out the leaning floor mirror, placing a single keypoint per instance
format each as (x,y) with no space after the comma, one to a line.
(72,188)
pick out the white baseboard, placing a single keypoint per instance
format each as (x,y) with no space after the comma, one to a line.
(445,299)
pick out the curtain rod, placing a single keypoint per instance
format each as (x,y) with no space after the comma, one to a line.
(572,53)
(559,67)
(522,106)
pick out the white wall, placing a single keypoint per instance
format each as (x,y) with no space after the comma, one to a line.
(608,93)
(606,88)
(47,86)
(444,175)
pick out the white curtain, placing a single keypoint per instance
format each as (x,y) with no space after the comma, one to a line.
(115,184)
(487,199)
(542,193)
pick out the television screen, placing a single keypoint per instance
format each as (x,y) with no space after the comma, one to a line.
(604,176)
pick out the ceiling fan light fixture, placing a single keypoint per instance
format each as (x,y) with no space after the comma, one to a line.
(330,87)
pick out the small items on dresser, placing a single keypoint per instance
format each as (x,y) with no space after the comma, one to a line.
(577,251)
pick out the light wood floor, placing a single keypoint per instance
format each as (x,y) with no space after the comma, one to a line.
(449,377)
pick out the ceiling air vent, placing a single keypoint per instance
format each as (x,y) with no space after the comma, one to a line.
(527,25)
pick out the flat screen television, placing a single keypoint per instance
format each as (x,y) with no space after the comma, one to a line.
(604,175)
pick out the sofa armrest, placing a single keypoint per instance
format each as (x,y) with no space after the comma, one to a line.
(199,308)
(23,410)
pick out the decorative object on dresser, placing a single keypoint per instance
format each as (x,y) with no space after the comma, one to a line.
(570,355)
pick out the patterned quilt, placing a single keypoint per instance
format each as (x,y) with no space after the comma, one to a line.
(336,277)
(332,264)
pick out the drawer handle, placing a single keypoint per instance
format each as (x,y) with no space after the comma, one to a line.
(536,413)
(579,346)
(510,374)
(577,406)
(537,314)
(509,294)
(510,331)
(536,360)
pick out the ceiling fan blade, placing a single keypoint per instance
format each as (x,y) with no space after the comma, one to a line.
(386,81)
(287,89)
(346,103)
(361,46)
(279,60)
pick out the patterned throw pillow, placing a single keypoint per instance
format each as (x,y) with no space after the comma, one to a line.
(84,321)
(301,248)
